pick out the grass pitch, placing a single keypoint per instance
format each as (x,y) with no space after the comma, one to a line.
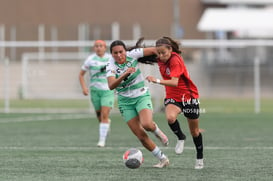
(237,146)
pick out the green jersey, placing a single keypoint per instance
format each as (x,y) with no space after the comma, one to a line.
(95,65)
(132,86)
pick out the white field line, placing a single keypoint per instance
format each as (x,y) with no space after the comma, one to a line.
(58,148)
(46,118)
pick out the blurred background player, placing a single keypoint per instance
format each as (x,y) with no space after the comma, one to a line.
(181,95)
(101,97)
(134,98)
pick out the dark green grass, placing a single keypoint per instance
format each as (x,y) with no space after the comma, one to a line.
(238,146)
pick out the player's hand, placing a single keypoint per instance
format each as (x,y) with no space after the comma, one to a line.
(131,70)
(128,72)
(85,91)
(151,79)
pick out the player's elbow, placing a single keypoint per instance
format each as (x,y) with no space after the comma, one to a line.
(111,87)
(111,83)
(81,74)
(81,77)
(173,84)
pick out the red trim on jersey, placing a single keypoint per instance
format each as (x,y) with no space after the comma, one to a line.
(175,67)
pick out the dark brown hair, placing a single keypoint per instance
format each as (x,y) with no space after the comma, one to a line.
(168,42)
(117,43)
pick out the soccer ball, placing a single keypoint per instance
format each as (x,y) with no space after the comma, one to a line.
(133,158)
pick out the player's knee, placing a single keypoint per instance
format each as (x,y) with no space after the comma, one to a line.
(148,126)
(104,117)
(171,118)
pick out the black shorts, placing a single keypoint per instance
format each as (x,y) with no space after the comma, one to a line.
(190,108)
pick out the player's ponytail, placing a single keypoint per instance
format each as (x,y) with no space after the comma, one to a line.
(151,59)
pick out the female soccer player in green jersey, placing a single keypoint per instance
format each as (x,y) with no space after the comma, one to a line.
(101,97)
(134,101)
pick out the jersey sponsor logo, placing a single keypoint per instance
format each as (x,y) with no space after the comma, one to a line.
(129,64)
(103,69)
(118,70)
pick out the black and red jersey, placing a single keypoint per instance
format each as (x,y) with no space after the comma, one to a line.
(175,67)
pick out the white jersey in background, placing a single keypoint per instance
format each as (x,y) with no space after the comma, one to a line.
(134,84)
(95,65)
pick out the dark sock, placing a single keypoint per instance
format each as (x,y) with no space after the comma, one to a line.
(175,127)
(198,141)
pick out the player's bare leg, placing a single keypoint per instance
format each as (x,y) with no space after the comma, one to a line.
(136,127)
(146,120)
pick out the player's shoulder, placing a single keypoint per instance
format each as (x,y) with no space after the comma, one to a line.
(90,57)
(111,61)
(176,58)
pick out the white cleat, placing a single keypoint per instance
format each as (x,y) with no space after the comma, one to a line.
(199,164)
(101,144)
(179,148)
(162,163)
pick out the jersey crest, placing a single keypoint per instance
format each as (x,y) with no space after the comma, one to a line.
(168,72)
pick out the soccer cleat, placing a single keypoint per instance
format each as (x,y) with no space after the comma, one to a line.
(101,143)
(199,164)
(179,146)
(162,163)
(162,138)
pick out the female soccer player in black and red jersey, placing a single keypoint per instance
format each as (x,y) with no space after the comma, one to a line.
(181,95)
